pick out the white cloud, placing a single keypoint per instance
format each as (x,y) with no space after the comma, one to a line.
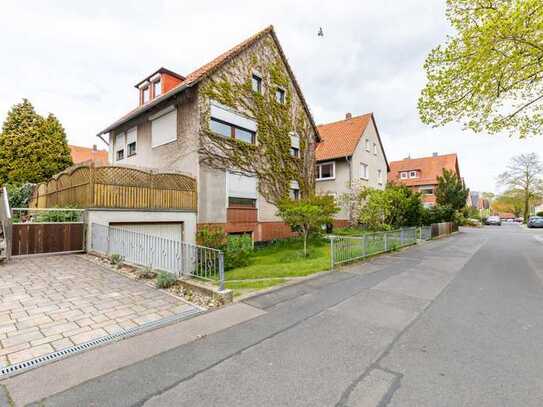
(80,61)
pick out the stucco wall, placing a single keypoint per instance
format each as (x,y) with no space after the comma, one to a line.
(212,196)
(104,217)
(338,186)
(374,162)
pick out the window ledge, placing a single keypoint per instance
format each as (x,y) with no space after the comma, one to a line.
(325,179)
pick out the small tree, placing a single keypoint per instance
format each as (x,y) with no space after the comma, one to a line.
(307,215)
(524,174)
(451,191)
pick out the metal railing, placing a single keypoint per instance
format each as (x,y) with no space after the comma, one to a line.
(47,215)
(344,249)
(425,232)
(173,256)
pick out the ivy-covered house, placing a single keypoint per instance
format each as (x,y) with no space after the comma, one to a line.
(239,125)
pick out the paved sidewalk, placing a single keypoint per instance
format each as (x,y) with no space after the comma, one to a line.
(54,302)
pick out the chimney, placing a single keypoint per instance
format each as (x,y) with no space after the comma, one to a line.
(348,116)
(434,154)
(94,147)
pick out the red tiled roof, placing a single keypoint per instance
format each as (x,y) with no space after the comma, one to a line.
(85,154)
(207,69)
(429,169)
(339,139)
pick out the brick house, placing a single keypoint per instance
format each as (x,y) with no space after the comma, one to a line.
(239,125)
(350,155)
(421,173)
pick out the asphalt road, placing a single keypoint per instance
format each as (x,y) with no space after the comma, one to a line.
(455,322)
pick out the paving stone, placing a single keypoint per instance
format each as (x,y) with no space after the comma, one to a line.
(88,336)
(57,329)
(62,344)
(30,353)
(47,339)
(22,338)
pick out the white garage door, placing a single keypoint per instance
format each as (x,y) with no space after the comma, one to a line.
(172,231)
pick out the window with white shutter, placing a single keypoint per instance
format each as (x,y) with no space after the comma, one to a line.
(241,186)
(163,127)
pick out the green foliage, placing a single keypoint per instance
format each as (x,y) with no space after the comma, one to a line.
(32,148)
(165,279)
(437,214)
(523,174)
(394,207)
(451,191)
(308,215)
(540,213)
(275,167)
(116,260)
(488,74)
(57,216)
(19,194)
(211,237)
(511,201)
(238,251)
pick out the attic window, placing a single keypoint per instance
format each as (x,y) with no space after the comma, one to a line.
(256,83)
(403,175)
(157,88)
(413,174)
(280,95)
(145,94)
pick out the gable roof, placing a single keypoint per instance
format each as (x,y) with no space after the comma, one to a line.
(205,70)
(340,139)
(430,168)
(85,154)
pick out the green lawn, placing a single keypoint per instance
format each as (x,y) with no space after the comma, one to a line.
(276,263)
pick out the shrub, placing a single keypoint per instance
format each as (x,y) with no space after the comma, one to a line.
(540,213)
(165,279)
(238,251)
(117,260)
(19,194)
(215,238)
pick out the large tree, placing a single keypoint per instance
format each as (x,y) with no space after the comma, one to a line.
(489,74)
(32,148)
(451,191)
(523,173)
(510,201)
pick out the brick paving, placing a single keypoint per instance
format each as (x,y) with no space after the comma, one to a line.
(54,302)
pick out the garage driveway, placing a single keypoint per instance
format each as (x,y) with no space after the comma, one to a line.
(55,302)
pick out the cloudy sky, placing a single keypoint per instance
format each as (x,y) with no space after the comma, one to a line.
(80,61)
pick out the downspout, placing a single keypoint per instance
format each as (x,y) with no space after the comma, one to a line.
(349,162)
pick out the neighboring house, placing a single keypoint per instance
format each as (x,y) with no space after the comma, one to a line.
(350,155)
(421,173)
(239,125)
(86,155)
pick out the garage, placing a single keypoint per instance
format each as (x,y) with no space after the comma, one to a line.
(166,230)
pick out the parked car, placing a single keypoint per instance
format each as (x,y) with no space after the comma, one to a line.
(535,222)
(494,220)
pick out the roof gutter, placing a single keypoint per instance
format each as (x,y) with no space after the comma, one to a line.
(145,108)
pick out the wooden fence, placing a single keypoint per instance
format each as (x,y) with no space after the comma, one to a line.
(118,187)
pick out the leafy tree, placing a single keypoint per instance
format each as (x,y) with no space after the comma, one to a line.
(511,201)
(19,195)
(488,74)
(307,215)
(393,207)
(451,191)
(32,149)
(523,173)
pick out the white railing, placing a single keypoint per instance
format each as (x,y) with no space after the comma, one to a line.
(5,225)
(173,256)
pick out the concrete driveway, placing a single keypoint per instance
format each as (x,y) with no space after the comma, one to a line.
(52,303)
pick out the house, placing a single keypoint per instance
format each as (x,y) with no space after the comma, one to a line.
(421,173)
(239,125)
(350,155)
(86,155)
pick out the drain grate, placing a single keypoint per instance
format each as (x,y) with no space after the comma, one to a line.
(33,363)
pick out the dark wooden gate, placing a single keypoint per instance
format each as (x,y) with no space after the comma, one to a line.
(36,238)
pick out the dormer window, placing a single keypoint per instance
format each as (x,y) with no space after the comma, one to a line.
(157,88)
(413,174)
(404,175)
(145,95)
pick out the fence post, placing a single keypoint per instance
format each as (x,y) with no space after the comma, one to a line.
(366,245)
(108,244)
(221,271)
(385,237)
(332,260)
(401,237)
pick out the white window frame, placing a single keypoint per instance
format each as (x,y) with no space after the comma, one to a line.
(366,171)
(367,145)
(380,176)
(158,115)
(404,175)
(259,76)
(413,174)
(280,88)
(319,171)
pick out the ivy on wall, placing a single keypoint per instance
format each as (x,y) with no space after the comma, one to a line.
(269,159)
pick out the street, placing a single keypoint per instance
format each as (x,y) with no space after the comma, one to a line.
(453,322)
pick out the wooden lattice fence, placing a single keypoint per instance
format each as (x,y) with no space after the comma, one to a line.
(88,186)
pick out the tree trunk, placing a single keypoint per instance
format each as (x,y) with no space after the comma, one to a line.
(305,243)
(526,205)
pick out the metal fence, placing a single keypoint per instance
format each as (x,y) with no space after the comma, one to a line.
(345,249)
(176,257)
(425,232)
